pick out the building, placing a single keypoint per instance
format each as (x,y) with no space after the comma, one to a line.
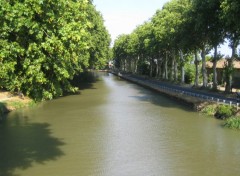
(220,71)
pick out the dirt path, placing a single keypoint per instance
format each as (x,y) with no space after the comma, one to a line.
(5,96)
(8,97)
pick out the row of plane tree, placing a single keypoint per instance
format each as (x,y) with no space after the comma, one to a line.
(182,28)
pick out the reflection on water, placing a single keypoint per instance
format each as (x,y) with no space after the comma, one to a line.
(23,143)
(115,128)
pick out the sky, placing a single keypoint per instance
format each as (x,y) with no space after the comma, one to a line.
(123,16)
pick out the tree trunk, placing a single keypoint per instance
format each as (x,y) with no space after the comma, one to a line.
(172,67)
(136,65)
(175,69)
(130,65)
(122,66)
(228,87)
(182,68)
(159,68)
(204,71)
(166,67)
(151,67)
(229,72)
(215,83)
(196,83)
(163,68)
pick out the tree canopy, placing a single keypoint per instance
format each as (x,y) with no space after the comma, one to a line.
(180,29)
(45,43)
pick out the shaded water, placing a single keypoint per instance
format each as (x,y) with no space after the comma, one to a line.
(115,128)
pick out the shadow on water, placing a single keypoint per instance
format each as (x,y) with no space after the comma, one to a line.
(3,110)
(162,100)
(22,143)
(86,80)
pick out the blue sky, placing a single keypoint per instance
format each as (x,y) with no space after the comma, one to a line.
(123,16)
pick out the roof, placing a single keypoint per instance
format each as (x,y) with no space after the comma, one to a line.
(221,64)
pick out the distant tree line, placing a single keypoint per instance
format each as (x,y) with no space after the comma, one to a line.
(161,47)
(45,43)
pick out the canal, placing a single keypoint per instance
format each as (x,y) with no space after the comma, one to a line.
(116,128)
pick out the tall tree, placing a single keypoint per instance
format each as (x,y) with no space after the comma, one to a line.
(99,40)
(207,27)
(43,45)
(230,16)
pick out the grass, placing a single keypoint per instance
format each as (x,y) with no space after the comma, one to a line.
(209,110)
(224,112)
(233,123)
(16,104)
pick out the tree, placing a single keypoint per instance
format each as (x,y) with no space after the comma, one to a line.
(230,10)
(148,48)
(99,40)
(120,52)
(169,31)
(208,28)
(182,28)
(43,45)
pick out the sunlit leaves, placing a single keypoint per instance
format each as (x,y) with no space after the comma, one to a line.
(44,44)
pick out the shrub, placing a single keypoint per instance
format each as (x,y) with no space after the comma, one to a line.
(189,73)
(210,110)
(233,123)
(224,111)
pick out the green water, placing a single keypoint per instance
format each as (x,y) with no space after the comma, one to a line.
(116,128)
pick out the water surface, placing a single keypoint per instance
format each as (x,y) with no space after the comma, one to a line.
(116,128)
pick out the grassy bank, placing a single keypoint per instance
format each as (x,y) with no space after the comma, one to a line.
(230,114)
(14,103)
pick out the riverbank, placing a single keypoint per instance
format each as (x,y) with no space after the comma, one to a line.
(12,101)
(204,101)
(197,103)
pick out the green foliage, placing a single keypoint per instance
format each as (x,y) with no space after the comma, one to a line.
(229,14)
(228,69)
(189,73)
(120,51)
(143,68)
(45,43)
(16,104)
(233,123)
(181,25)
(210,77)
(99,51)
(224,111)
(209,110)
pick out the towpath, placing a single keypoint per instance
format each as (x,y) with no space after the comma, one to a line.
(183,90)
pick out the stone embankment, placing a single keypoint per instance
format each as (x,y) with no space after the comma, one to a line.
(195,98)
